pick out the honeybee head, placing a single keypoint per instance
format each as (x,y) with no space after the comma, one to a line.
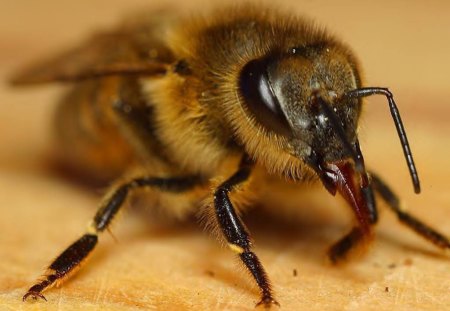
(311,97)
(299,96)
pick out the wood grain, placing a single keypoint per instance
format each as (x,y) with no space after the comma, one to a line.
(161,266)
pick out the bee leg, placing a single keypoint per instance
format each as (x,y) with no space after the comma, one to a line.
(341,248)
(419,227)
(237,235)
(74,256)
(360,235)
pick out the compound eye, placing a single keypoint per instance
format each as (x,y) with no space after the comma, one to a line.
(260,99)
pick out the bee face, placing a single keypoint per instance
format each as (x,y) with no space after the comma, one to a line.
(282,91)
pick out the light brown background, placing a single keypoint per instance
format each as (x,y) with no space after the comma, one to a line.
(404,45)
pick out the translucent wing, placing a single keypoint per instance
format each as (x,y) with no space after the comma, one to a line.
(137,48)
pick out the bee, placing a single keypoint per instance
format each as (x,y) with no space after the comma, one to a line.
(224,101)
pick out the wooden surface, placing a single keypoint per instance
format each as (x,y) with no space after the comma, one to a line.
(401,44)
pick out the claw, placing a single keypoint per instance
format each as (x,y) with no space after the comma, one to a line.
(34,295)
(267,303)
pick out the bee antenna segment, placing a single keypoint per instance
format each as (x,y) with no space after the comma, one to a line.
(369,91)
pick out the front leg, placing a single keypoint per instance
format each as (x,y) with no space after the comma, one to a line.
(236,233)
(362,201)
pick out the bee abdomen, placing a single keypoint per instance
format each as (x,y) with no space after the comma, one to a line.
(89,142)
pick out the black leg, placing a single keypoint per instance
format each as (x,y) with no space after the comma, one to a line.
(72,258)
(394,203)
(340,250)
(365,209)
(236,233)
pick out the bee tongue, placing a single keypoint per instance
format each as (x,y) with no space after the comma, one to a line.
(342,177)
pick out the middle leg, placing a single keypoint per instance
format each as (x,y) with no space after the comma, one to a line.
(388,195)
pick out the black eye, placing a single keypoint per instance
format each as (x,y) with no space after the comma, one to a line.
(259,97)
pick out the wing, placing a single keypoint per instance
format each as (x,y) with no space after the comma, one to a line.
(136,47)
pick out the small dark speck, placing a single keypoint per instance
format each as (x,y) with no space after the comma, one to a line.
(294,272)
(210,273)
(386,289)
(408,262)
(182,68)
(392,266)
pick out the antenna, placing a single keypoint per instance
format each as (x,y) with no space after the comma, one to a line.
(369,91)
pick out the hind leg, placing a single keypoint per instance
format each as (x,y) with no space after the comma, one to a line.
(75,255)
